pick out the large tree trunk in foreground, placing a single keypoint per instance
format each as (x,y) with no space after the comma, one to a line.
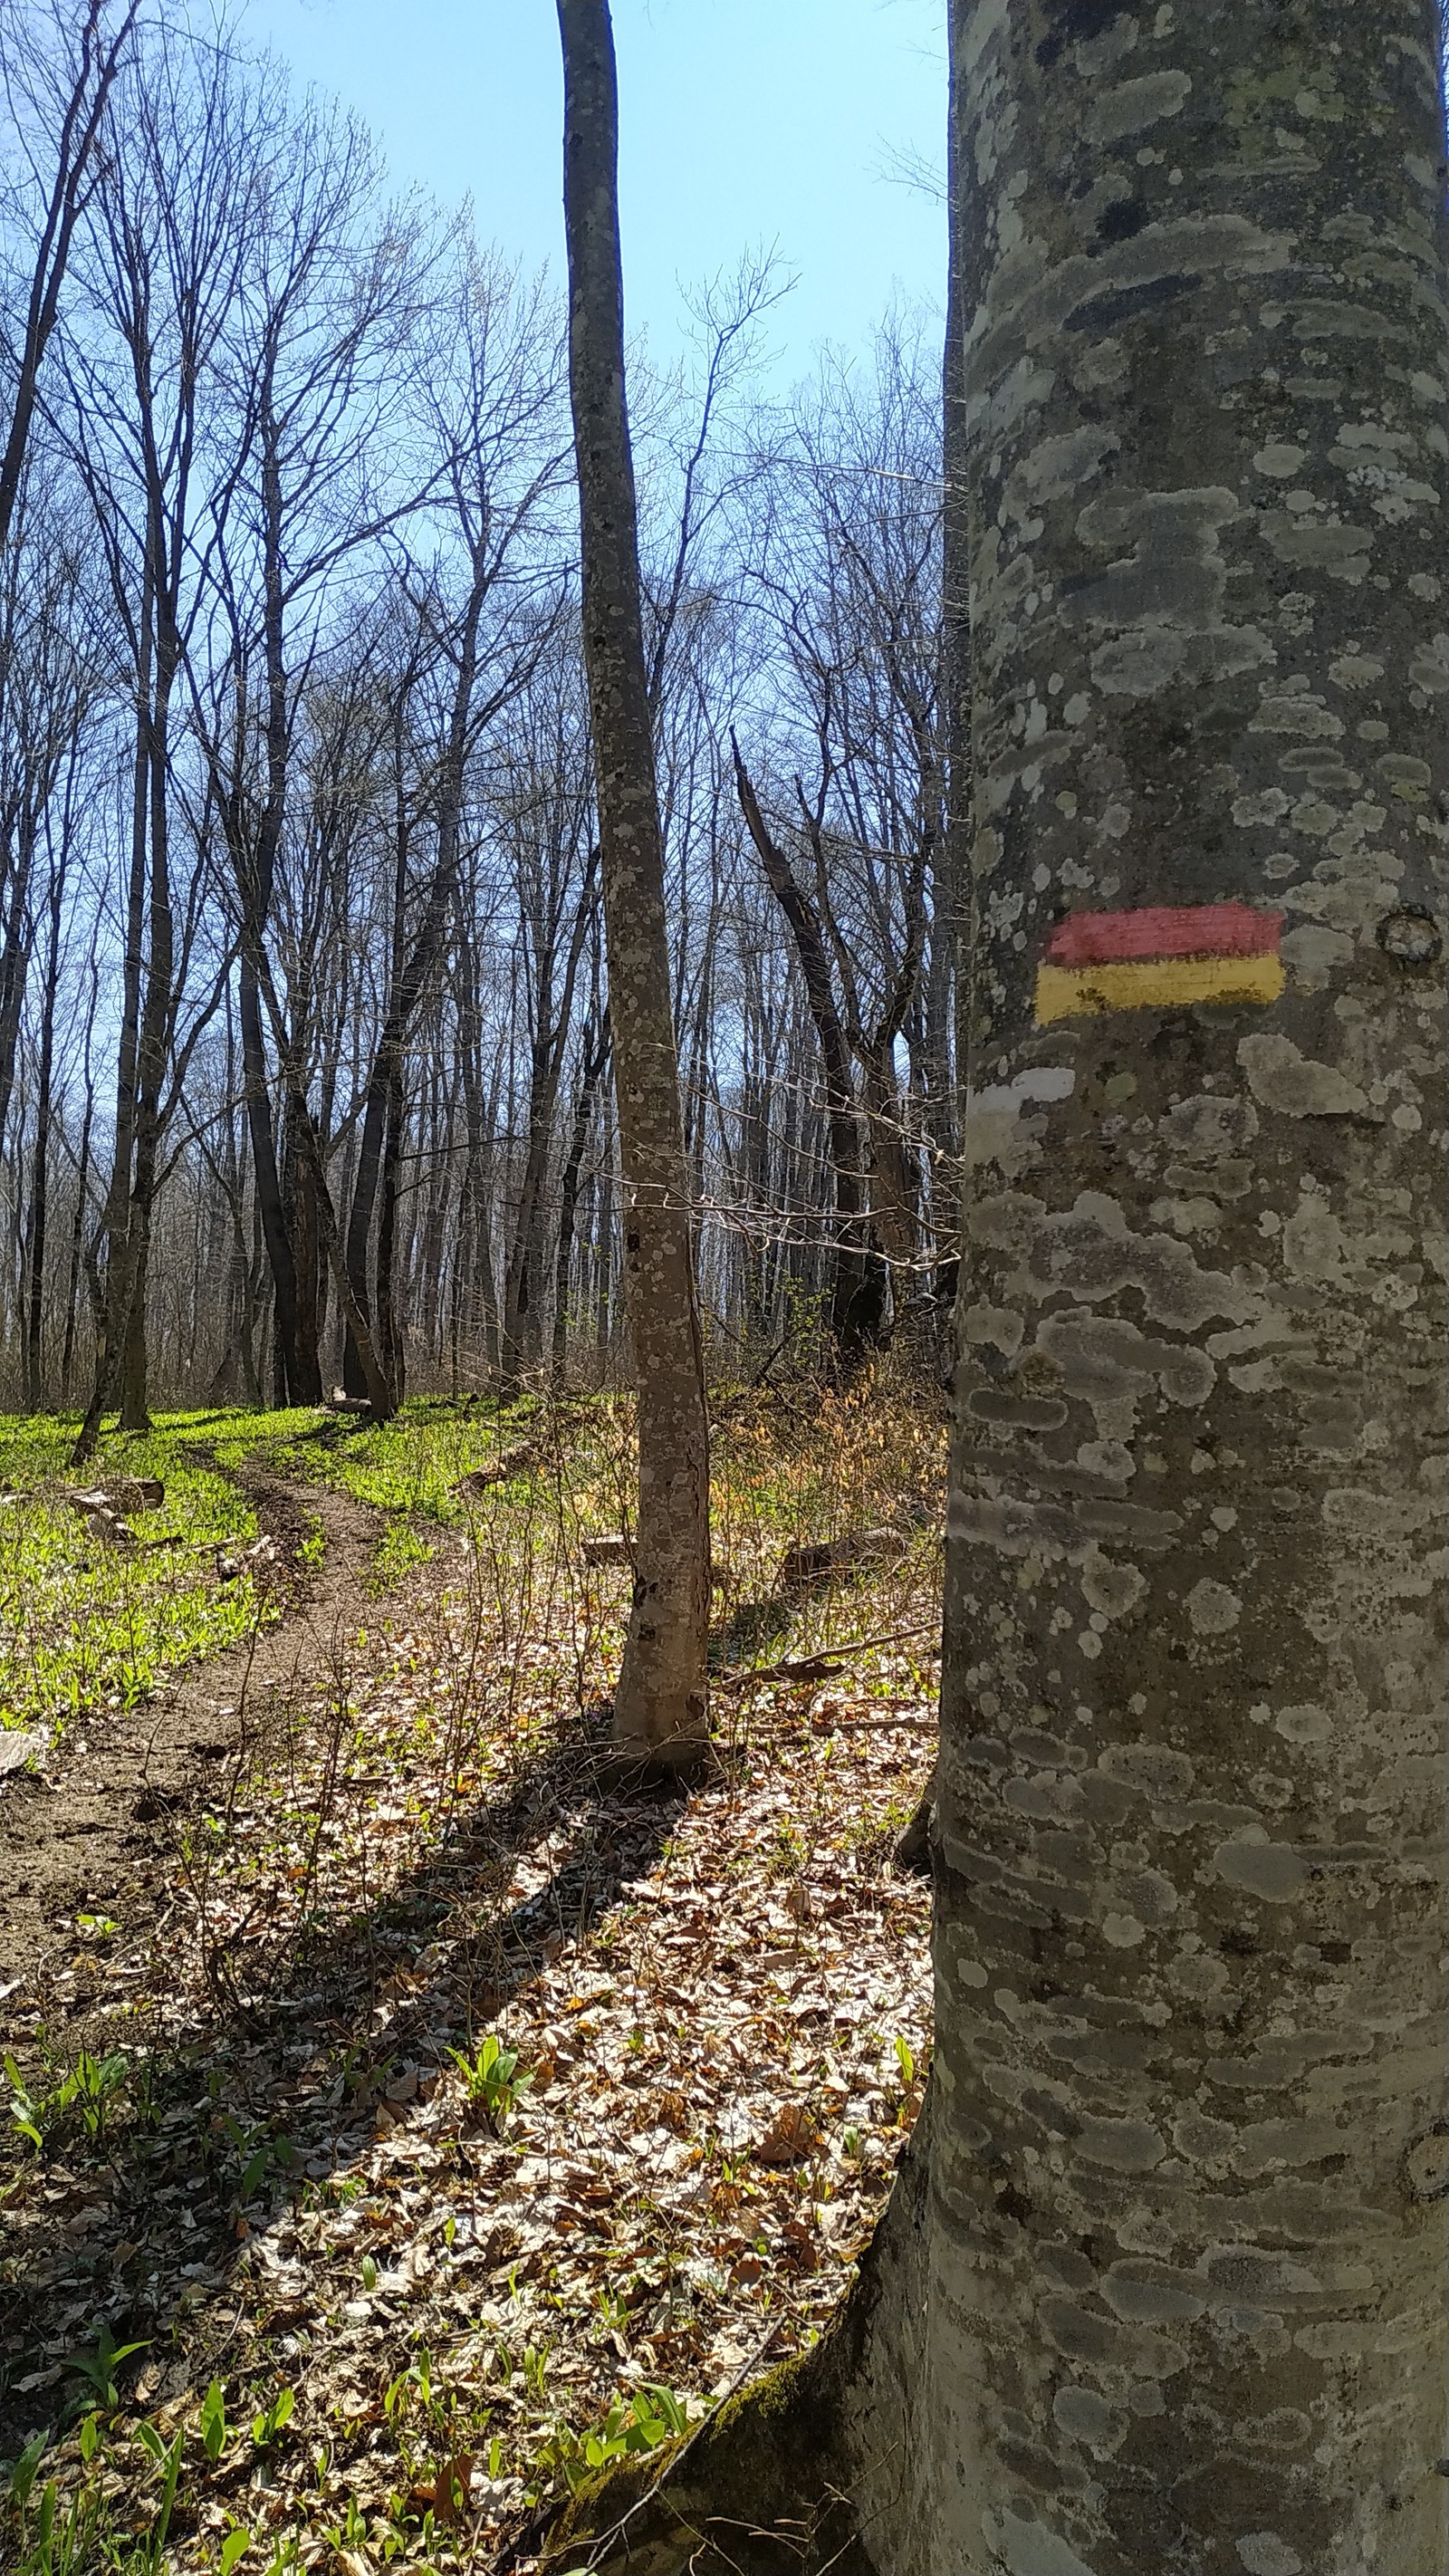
(1164,2289)
(659,1706)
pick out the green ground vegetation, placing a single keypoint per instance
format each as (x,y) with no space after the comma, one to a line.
(524,1483)
(85,1625)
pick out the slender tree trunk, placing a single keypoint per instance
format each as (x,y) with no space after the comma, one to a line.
(77,1243)
(295,1385)
(391,1347)
(660,1703)
(1163,2286)
(156,1013)
(15,957)
(595,1065)
(44,1114)
(854,1315)
(112,1293)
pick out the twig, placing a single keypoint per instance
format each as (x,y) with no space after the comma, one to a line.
(821,1667)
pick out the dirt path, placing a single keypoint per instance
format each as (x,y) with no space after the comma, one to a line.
(93,1832)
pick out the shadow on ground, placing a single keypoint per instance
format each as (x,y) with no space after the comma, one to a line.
(289,2071)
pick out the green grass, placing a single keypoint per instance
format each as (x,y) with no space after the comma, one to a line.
(85,1627)
(409,1467)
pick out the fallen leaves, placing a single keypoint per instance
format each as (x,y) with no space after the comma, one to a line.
(722,2002)
(791,2135)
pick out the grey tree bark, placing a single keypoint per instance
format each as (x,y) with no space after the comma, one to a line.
(1162,2288)
(660,1702)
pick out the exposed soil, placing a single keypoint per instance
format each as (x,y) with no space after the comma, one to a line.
(92,1833)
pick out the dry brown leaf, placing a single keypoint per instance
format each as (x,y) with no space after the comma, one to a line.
(791,2134)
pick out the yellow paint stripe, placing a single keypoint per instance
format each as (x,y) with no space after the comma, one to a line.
(1155,983)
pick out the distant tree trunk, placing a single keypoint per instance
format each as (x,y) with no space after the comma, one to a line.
(1161,2286)
(42,1158)
(78,1229)
(595,1065)
(391,1347)
(111,1291)
(854,1315)
(15,951)
(660,1703)
(523,1281)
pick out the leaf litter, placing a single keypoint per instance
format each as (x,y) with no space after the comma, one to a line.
(472,2117)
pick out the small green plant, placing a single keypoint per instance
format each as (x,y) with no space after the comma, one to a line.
(850,2145)
(100,2367)
(493,2080)
(165,2456)
(905,2061)
(212,2423)
(613,2310)
(369,2273)
(59,2541)
(652,2415)
(272,2419)
(351,2532)
(261,2157)
(91,2087)
(23,2474)
(26,2114)
(87,2091)
(235,2546)
(77,2538)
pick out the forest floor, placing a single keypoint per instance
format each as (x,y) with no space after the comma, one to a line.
(406,2117)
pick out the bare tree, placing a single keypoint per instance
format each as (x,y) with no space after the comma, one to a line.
(57,83)
(660,1703)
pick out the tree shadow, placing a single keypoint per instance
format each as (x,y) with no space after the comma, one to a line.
(282,2081)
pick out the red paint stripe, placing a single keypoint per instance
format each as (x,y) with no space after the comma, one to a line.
(1203,930)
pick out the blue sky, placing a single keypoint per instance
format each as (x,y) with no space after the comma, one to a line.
(742,121)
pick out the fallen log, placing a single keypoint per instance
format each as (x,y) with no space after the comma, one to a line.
(607,1551)
(123,1494)
(513,1462)
(826,1558)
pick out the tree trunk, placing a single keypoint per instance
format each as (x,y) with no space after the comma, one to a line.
(659,1707)
(391,1347)
(35,1390)
(854,1310)
(77,1236)
(295,1386)
(1163,2287)
(594,1066)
